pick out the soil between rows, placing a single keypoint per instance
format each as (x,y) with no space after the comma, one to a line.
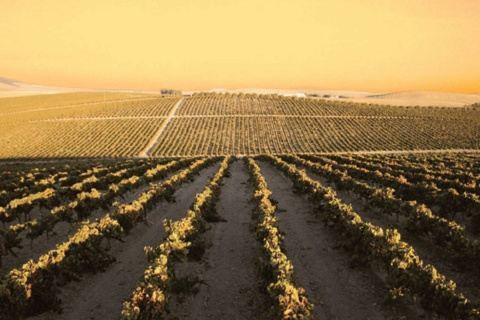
(230,288)
(468,282)
(336,290)
(100,296)
(63,230)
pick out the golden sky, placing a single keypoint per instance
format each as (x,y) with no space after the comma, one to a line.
(369,45)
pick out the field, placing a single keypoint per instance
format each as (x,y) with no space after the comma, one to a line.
(90,125)
(237,206)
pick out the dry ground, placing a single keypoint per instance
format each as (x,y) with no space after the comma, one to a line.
(230,287)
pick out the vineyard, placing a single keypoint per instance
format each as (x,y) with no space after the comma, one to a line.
(297,236)
(237,206)
(112,125)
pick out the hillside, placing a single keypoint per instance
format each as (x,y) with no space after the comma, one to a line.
(14,88)
(424,99)
(179,233)
(132,125)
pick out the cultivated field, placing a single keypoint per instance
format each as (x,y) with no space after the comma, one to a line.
(237,207)
(130,125)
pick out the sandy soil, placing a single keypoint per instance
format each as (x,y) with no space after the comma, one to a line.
(100,296)
(22,89)
(19,89)
(424,98)
(389,98)
(230,288)
(61,232)
(467,282)
(336,290)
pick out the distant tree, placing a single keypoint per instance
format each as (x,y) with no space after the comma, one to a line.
(171,92)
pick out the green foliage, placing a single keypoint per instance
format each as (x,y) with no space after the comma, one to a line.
(289,301)
(419,218)
(406,272)
(150,298)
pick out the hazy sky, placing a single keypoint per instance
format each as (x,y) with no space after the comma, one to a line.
(370,45)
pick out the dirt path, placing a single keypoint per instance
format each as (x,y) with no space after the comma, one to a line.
(290,116)
(230,288)
(169,117)
(99,118)
(148,149)
(337,291)
(100,296)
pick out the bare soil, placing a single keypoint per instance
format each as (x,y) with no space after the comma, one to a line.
(336,290)
(467,282)
(61,232)
(100,296)
(230,288)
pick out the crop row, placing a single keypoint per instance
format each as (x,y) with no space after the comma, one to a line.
(283,135)
(40,102)
(288,125)
(446,234)
(289,300)
(463,180)
(65,188)
(81,208)
(423,163)
(77,138)
(449,201)
(149,300)
(34,287)
(18,178)
(406,272)
(253,104)
(149,107)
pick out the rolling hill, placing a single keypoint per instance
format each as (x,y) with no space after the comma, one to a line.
(245,198)
(94,124)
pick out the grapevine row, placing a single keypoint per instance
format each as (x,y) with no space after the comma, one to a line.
(406,271)
(79,138)
(151,106)
(449,201)
(41,102)
(149,300)
(419,218)
(424,164)
(282,135)
(28,180)
(82,207)
(461,180)
(53,197)
(33,288)
(289,300)
(266,104)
